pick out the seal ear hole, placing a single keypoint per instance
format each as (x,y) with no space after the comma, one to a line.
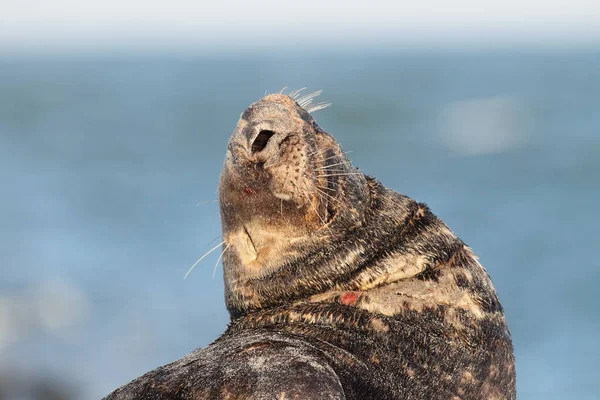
(261,141)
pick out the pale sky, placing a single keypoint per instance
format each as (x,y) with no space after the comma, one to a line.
(34,24)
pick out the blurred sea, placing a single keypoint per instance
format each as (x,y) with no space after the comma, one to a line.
(109,167)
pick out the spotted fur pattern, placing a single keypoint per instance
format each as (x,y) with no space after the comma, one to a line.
(338,288)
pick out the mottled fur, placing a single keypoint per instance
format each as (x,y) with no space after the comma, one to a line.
(337,287)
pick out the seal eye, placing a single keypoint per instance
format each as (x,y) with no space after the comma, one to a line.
(261,141)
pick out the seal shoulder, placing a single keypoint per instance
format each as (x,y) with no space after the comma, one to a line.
(256,365)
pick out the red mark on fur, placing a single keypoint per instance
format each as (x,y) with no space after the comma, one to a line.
(349,298)
(250,191)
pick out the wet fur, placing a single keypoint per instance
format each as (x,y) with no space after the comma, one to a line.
(337,287)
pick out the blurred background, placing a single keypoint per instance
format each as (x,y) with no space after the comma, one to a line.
(114,118)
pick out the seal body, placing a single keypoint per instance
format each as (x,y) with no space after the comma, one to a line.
(338,288)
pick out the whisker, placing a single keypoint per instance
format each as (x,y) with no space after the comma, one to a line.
(304,189)
(282,90)
(327,175)
(335,155)
(212,241)
(219,259)
(312,203)
(333,165)
(330,170)
(308,98)
(295,93)
(316,107)
(306,101)
(201,258)
(325,197)
(317,152)
(346,174)
(320,190)
(325,188)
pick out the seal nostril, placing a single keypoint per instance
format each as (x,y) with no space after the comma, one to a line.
(261,141)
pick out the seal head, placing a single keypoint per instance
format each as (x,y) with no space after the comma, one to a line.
(285,186)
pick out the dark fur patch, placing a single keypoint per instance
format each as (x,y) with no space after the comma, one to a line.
(461,280)
(429,274)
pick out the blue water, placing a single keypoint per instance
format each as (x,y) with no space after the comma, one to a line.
(109,166)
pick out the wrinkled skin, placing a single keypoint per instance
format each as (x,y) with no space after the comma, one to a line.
(338,288)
